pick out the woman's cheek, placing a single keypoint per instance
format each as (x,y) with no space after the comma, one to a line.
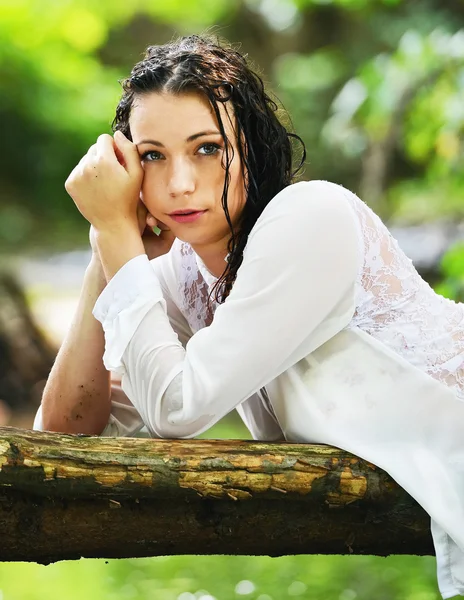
(148,194)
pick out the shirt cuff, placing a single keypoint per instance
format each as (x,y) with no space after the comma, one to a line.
(123,304)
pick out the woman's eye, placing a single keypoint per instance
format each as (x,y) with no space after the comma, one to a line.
(208,149)
(151,156)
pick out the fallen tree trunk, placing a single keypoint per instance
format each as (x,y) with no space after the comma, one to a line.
(67,497)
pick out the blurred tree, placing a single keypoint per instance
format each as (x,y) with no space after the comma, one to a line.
(26,356)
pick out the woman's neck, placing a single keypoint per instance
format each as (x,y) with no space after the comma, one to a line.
(213,257)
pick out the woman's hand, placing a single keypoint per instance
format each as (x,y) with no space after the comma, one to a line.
(105,185)
(155,245)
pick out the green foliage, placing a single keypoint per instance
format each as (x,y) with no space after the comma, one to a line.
(225,578)
(352,5)
(409,101)
(452,267)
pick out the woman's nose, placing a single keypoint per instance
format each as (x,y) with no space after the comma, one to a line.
(182,178)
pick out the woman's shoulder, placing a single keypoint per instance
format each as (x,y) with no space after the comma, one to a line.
(314,200)
(306,219)
(314,190)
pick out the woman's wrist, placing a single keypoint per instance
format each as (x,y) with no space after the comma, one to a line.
(95,270)
(113,254)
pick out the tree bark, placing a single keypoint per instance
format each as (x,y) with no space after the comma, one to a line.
(67,497)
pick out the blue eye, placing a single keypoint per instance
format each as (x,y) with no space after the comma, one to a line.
(209,149)
(151,156)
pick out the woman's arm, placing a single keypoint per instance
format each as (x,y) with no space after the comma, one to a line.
(76,398)
(79,396)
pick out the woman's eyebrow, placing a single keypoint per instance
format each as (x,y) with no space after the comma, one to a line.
(191,138)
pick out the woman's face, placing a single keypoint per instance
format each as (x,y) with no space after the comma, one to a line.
(181,149)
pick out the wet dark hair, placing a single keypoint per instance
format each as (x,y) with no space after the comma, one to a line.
(215,69)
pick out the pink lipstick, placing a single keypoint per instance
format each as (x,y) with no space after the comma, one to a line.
(187,215)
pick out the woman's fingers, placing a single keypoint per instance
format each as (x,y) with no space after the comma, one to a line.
(151,221)
(104,145)
(92,151)
(119,154)
(106,192)
(128,150)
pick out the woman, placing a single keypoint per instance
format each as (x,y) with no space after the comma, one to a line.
(298,306)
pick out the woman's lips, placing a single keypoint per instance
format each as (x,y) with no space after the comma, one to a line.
(187,217)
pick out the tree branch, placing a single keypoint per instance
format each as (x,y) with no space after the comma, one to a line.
(64,497)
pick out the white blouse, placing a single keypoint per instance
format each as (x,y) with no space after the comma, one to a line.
(329,336)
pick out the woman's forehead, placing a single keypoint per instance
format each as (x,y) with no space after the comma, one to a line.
(170,113)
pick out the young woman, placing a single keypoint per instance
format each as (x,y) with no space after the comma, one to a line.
(290,302)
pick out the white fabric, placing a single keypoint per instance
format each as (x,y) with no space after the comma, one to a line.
(329,335)
(218,370)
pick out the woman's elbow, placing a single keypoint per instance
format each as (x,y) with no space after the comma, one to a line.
(76,421)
